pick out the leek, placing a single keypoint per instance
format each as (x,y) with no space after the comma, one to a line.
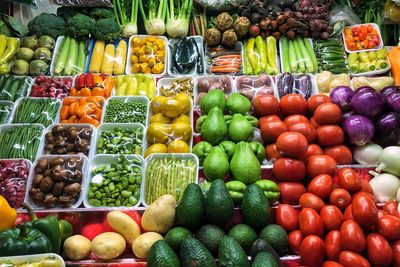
(178,17)
(154,23)
(123,9)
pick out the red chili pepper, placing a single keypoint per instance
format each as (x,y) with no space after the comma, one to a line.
(89,80)
(80,81)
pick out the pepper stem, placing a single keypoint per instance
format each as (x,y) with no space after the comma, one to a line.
(30,211)
(23,233)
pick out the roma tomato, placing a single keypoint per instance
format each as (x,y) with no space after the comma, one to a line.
(292,119)
(314,123)
(333,245)
(330,135)
(267,118)
(320,164)
(391,208)
(321,186)
(312,251)
(332,217)
(311,201)
(295,238)
(288,169)
(378,249)
(265,105)
(316,100)
(364,209)
(352,237)
(340,198)
(304,128)
(293,104)
(271,130)
(331,264)
(313,149)
(328,113)
(396,253)
(389,227)
(272,152)
(352,259)
(291,192)
(348,215)
(292,144)
(366,187)
(341,154)
(287,217)
(310,222)
(382,213)
(348,179)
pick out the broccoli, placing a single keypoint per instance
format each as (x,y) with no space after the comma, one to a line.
(47,24)
(101,13)
(79,25)
(69,11)
(106,30)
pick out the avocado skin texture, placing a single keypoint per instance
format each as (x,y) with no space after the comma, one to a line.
(219,204)
(216,164)
(194,254)
(210,236)
(231,254)
(190,210)
(256,210)
(162,255)
(265,259)
(214,129)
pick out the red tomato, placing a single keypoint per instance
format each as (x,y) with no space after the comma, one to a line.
(271,130)
(265,105)
(311,201)
(272,152)
(352,259)
(331,264)
(313,149)
(292,144)
(291,192)
(314,123)
(366,187)
(330,135)
(295,238)
(304,128)
(320,164)
(332,217)
(348,179)
(364,209)
(287,217)
(352,237)
(340,198)
(396,253)
(292,119)
(341,154)
(378,249)
(348,215)
(389,227)
(288,169)
(321,186)
(293,104)
(310,222)
(381,213)
(316,100)
(267,118)
(332,245)
(328,113)
(391,208)
(312,251)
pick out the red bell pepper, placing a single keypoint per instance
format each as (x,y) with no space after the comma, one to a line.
(80,81)
(89,80)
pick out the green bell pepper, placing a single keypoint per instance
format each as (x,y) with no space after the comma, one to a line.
(258,150)
(48,226)
(23,240)
(229,147)
(201,150)
(236,190)
(271,190)
(65,229)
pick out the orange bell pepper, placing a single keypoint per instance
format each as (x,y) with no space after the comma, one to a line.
(109,82)
(64,112)
(72,108)
(97,80)
(86,92)
(85,109)
(97,91)
(68,101)
(89,119)
(72,119)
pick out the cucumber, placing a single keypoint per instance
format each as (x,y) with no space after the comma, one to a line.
(12,96)
(6,87)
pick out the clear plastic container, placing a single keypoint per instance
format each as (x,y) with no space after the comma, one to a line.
(31,260)
(60,178)
(204,83)
(129,93)
(252,86)
(6,108)
(194,71)
(167,83)
(174,186)
(375,26)
(11,91)
(98,117)
(108,127)
(374,72)
(314,88)
(103,159)
(63,83)
(139,99)
(209,61)
(281,52)
(79,127)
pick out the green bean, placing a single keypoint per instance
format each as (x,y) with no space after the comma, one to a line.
(36,110)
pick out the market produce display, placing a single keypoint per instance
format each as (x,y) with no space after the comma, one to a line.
(208,132)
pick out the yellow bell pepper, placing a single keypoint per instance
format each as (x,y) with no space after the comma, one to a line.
(7,214)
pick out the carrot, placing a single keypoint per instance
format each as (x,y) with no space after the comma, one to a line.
(229,56)
(72,108)
(64,121)
(394,55)
(85,109)
(97,114)
(224,70)
(98,100)
(97,91)
(86,92)
(97,80)
(64,112)
(82,100)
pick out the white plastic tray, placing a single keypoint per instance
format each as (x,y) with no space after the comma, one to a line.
(141,99)
(8,103)
(281,57)
(194,71)
(168,156)
(316,84)
(212,78)
(107,127)
(167,82)
(33,258)
(375,26)
(374,72)
(103,159)
(128,69)
(54,77)
(32,173)
(255,90)
(314,87)
(31,81)
(238,46)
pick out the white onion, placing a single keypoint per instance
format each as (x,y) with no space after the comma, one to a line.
(367,154)
(385,186)
(389,160)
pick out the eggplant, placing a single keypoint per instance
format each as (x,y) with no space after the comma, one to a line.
(185,56)
(303,85)
(285,84)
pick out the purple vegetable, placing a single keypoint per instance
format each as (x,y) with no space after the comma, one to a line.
(347,114)
(388,139)
(393,101)
(359,129)
(388,122)
(364,88)
(216,85)
(389,89)
(342,96)
(368,103)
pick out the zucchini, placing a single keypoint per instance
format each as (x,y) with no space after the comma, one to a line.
(6,87)
(12,95)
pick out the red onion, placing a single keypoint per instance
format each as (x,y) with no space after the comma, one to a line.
(342,96)
(393,101)
(368,103)
(359,129)
(389,89)
(388,122)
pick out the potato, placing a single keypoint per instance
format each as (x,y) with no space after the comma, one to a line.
(109,245)
(142,244)
(160,215)
(124,225)
(77,247)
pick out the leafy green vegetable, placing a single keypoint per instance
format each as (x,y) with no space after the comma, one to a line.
(106,30)
(12,27)
(101,13)
(47,24)
(80,25)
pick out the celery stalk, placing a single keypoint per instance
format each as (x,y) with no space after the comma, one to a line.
(300,57)
(80,66)
(311,52)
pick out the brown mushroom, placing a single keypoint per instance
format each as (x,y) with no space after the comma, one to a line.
(58,130)
(41,166)
(36,180)
(58,189)
(37,196)
(85,133)
(56,162)
(50,139)
(72,189)
(65,201)
(46,184)
(50,201)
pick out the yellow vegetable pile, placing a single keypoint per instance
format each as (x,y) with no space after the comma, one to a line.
(138,84)
(170,127)
(148,55)
(108,59)
(8,48)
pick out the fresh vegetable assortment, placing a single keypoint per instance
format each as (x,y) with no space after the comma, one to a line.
(108,58)
(93,85)
(148,55)
(361,37)
(36,110)
(13,87)
(71,58)
(51,87)
(120,141)
(368,61)
(331,56)
(82,110)
(260,56)
(137,84)
(220,60)
(298,56)
(288,84)
(177,86)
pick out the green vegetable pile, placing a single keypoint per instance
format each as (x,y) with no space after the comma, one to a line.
(331,56)
(128,111)
(119,185)
(298,56)
(47,24)
(120,141)
(5,111)
(20,142)
(368,61)
(12,87)
(37,110)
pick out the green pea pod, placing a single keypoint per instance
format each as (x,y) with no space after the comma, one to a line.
(229,147)
(201,150)
(271,190)
(236,190)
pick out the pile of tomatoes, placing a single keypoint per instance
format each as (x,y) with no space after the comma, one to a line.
(361,37)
